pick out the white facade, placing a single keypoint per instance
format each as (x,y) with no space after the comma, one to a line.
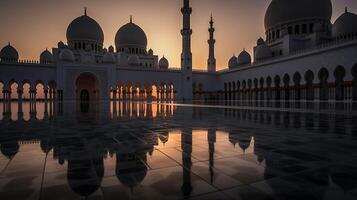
(304,57)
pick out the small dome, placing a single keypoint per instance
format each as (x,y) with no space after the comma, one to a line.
(244,58)
(67,55)
(46,57)
(61,45)
(133,60)
(262,52)
(111,49)
(233,62)
(287,11)
(85,28)
(9,53)
(163,63)
(130,36)
(151,52)
(260,41)
(344,25)
(109,58)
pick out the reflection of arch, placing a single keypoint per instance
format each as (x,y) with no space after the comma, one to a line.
(87,81)
(354,82)
(323,76)
(339,73)
(309,78)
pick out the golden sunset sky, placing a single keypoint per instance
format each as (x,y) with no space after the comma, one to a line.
(34,25)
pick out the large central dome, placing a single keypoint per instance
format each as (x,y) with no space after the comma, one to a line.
(85,28)
(286,11)
(130,36)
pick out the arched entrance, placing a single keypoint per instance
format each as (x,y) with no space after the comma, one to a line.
(87,87)
(84,96)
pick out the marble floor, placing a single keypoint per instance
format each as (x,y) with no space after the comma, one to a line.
(135,150)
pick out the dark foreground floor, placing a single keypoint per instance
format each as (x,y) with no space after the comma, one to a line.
(151,151)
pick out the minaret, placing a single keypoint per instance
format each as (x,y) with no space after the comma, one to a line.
(211,64)
(186,55)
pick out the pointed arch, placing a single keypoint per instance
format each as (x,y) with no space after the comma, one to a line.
(339,74)
(323,85)
(309,86)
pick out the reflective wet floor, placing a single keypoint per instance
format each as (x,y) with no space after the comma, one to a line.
(130,150)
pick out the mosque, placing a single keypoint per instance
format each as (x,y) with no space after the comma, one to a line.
(303,56)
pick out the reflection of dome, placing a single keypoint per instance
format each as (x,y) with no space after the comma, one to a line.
(67,55)
(164,137)
(46,145)
(85,28)
(262,52)
(46,57)
(130,169)
(133,60)
(9,53)
(163,63)
(233,62)
(130,36)
(244,141)
(344,25)
(109,58)
(10,149)
(286,11)
(83,179)
(244,58)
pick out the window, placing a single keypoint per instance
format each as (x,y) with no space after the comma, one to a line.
(311,28)
(290,30)
(278,33)
(304,28)
(297,30)
(273,35)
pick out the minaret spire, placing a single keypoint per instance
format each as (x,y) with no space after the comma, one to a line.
(186,55)
(211,64)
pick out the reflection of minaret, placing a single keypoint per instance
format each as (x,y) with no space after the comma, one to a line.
(186,56)
(211,64)
(186,144)
(211,136)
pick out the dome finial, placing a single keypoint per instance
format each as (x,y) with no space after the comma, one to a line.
(346,10)
(85,11)
(131,18)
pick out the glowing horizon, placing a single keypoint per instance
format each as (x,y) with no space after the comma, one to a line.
(38,25)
